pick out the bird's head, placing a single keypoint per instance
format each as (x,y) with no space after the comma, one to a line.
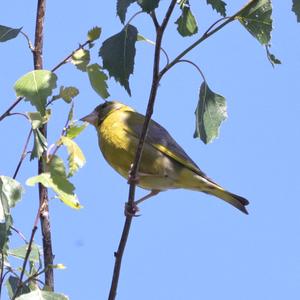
(101,112)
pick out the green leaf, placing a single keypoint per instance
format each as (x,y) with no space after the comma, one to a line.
(118,54)
(148,5)
(7,33)
(39,145)
(81,59)
(271,57)
(36,86)
(76,158)
(122,6)
(98,80)
(58,175)
(94,34)
(187,24)
(62,187)
(67,93)
(296,9)
(37,120)
(5,232)
(20,252)
(74,130)
(210,112)
(219,6)
(10,193)
(57,168)
(256,18)
(42,295)
(12,285)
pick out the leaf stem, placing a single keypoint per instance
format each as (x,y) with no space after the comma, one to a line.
(135,167)
(193,64)
(209,32)
(23,155)
(136,14)
(18,114)
(28,41)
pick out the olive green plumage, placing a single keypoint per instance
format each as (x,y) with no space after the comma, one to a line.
(164,164)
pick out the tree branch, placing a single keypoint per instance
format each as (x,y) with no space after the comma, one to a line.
(7,112)
(61,63)
(136,164)
(66,59)
(209,32)
(43,191)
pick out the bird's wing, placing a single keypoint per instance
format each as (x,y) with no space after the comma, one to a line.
(161,140)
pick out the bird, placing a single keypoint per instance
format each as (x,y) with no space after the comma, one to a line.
(164,164)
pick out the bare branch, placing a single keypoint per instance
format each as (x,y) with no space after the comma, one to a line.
(135,167)
(43,191)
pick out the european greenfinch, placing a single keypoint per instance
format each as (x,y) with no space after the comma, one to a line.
(164,164)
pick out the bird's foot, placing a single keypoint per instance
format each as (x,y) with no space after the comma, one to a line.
(131,210)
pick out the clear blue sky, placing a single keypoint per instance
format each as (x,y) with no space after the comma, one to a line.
(186,245)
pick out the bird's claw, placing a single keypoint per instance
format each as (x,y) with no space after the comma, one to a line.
(131,210)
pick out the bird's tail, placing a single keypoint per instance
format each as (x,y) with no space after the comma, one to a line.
(235,200)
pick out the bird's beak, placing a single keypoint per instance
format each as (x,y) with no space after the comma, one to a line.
(92,118)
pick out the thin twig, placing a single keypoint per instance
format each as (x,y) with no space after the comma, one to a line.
(209,32)
(154,18)
(61,63)
(135,167)
(29,247)
(20,234)
(34,276)
(18,114)
(23,155)
(20,284)
(7,112)
(66,59)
